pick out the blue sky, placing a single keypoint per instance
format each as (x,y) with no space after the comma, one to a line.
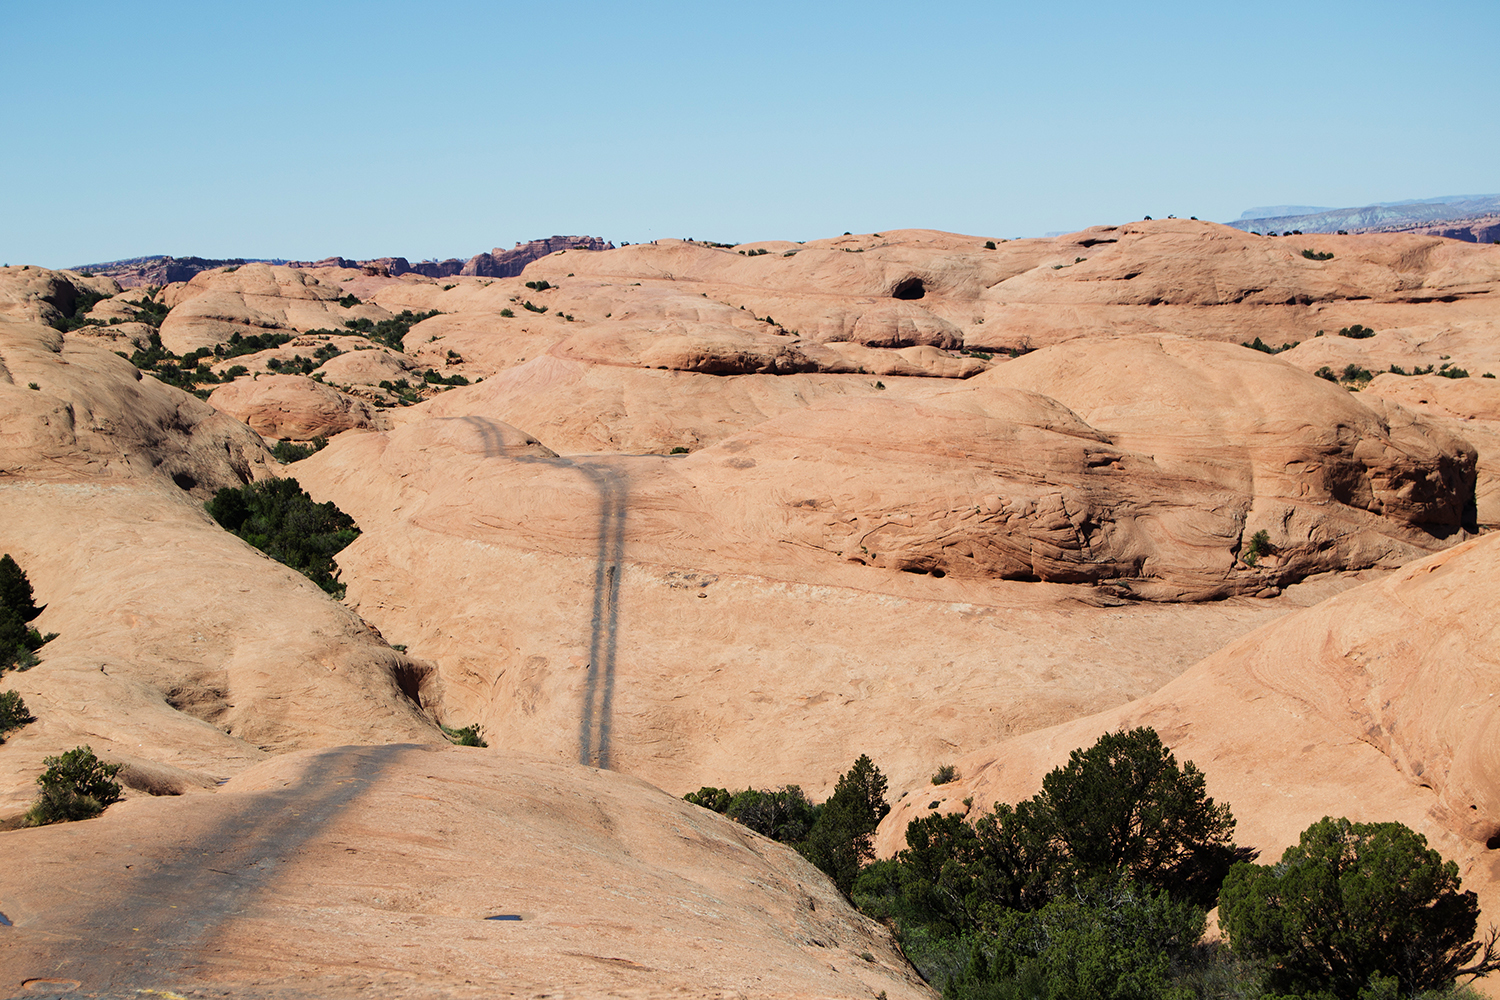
(435,130)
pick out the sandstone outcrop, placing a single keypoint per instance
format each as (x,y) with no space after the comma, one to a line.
(250,300)
(500,263)
(181,651)
(927,482)
(292,407)
(92,414)
(1468,407)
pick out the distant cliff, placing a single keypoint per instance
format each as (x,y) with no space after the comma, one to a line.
(1472,218)
(162,270)
(137,272)
(497,263)
(509,263)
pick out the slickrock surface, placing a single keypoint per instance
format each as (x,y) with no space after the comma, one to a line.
(662,614)
(93,414)
(182,651)
(1378,704)
(926,485)
(292,406)
(249,300)
(372,870)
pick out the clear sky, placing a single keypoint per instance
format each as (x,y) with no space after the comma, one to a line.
(307,129)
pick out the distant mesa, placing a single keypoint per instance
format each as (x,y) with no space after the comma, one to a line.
(159,271)
(136,272)
(509,263)
(1473,218)
(1277,211)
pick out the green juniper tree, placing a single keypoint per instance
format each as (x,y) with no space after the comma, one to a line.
(1353,906)
(843,838)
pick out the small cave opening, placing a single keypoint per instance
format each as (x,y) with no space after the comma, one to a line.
(1493,843)
(909,288)
(184,481)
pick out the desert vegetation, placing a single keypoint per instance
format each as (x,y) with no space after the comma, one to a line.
(465,736)
(279,518)
(390,332)
(19,642)
(287,452)
(76,785)
(13,713)
(1356,911)
(1099,886)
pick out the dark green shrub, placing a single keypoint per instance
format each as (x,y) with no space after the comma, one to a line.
(77,316)
(508,313)
(1260,545)
(349,301)
(431,377)
(286,452)
(76,785)
(1125,803)
(279,518)
(1111,939)
(1351,906)
(539,286)
(784,815)
(1354,373)
(1326,373)
(1258,345)
(1311,255)
(18,641)
(531,308)
(390,332)
(466,736)
(679,450)
(1357,332)
(15,590)
(989,244)
(708,797)
(1449,370)
(945,774)
(13,713)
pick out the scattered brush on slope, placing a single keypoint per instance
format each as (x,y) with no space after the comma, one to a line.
(279,518)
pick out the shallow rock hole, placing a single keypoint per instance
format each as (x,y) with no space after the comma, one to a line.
(909,288)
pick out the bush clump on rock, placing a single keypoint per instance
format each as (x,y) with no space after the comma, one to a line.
(76,785)
(279,518)
(18,641)
(1096,886)
(13,713)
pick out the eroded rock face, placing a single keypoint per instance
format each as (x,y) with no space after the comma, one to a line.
(94,415)
(500,263)
(1467,407)
(1144,463)
(292,407)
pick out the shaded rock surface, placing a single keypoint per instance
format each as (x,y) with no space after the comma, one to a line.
(398,856)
